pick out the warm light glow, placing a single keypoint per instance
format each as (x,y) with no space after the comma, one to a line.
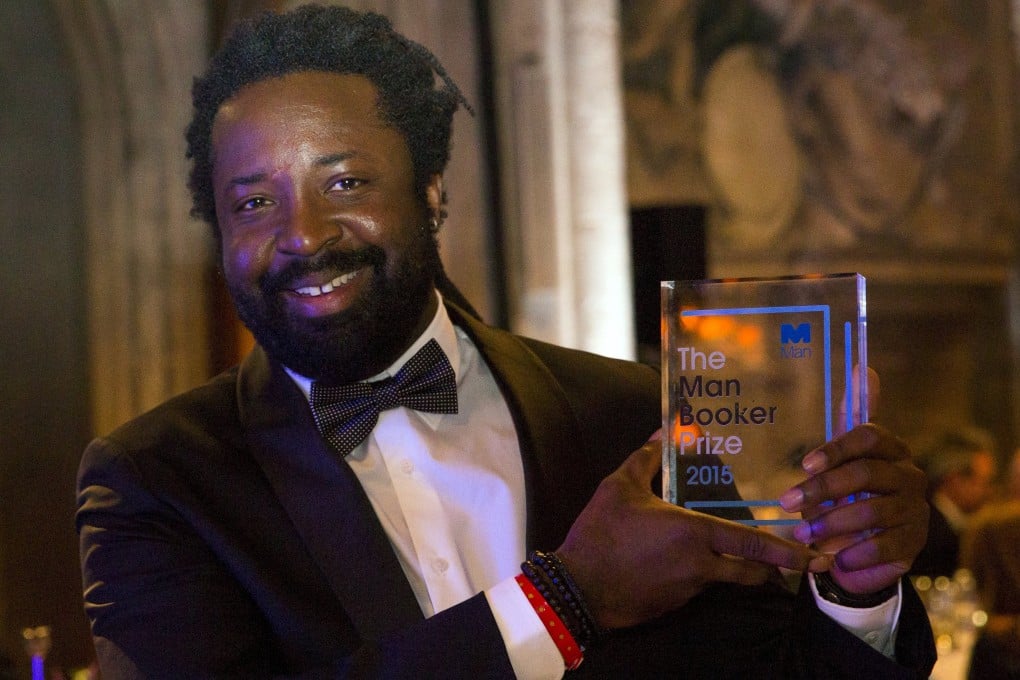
(749,336)
(716,327)
(690,323)
(679,430)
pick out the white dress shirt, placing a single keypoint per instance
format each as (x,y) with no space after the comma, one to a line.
(449,492)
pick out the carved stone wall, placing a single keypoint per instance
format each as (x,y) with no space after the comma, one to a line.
(903,127)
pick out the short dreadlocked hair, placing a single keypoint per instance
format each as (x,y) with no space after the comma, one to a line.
(337,40)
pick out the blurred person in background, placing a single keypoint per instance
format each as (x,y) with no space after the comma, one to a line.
(961,468)
(991,551)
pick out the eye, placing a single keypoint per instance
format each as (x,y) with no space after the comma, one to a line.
(346,184)
(252,204)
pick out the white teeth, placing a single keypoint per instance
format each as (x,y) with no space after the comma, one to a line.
(316,291)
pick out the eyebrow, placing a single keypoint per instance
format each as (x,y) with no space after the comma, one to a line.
(247,179)
(334,158)
(321,161)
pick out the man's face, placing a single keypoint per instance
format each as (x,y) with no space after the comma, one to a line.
(326,248)
(970,491)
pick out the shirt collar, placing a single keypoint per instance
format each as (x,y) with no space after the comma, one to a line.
(440,328)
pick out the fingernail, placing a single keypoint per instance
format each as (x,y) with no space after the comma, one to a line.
(813,462)
(820,564)
(802,532)
(792,499)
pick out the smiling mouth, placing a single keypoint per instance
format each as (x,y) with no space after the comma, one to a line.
(316,291)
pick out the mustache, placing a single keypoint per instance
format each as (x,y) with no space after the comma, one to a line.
(335,262)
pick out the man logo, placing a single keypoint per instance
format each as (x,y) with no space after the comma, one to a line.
(792,338)
(789,333)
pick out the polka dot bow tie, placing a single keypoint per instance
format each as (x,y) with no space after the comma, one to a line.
(345,415)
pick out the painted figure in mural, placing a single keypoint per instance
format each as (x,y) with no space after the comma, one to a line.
(388,487)
(825,127)
(872,115)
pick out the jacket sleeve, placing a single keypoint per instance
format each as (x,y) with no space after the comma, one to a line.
(163,605)
(731,632)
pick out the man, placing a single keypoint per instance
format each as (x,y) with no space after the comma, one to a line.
(961,468)
(259,527)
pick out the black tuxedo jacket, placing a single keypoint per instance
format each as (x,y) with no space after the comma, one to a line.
(220,537)
(940,555)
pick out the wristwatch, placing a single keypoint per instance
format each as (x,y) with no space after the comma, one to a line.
(834,593)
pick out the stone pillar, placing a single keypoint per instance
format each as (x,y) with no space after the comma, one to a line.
(603,293)
(148,262)
(558,91)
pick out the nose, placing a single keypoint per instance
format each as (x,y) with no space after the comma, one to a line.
(306,227)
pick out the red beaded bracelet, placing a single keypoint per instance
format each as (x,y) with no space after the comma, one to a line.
(569,649)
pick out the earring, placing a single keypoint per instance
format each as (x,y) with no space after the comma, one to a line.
(434,224)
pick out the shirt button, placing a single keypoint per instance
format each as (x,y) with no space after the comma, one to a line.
(871,638)
(406,466)
(440,565)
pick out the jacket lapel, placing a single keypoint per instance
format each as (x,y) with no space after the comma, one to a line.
(324,500)
(547,430)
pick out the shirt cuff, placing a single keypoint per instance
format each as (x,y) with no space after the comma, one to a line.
(876,626)
(533,654)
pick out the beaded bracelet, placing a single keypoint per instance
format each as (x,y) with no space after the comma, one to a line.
(550,593)
(552,580)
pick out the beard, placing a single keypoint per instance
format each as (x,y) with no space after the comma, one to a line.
(359,341)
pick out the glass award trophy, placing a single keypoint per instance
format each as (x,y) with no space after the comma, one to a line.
(756,374)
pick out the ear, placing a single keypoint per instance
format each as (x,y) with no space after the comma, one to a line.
(434,197)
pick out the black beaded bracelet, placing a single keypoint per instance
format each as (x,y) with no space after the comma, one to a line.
(552,580)
(551,588)
(833,592)
(574,594)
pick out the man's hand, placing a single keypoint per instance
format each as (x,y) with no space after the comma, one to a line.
(876,537)
(635,556)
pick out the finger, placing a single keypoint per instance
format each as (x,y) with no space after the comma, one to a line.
(868,440)
(874,392)
(883,549)
(850,479)
(737,540)
(863,516)
(730,569)
(853,482)
(850,414)
(871,399)
(646,462)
